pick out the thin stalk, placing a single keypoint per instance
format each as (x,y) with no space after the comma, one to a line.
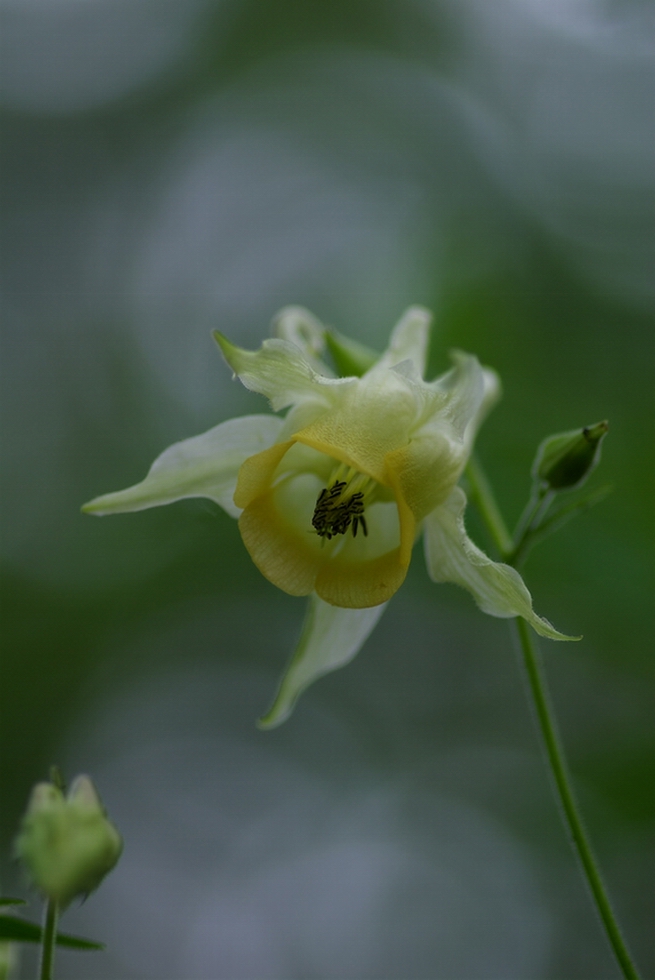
(483,497)
(526,518)
(555,755)
(529,525)
(48,939)
(537,691)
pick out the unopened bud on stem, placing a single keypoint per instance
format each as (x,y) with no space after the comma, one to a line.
(564,461)
(67,844)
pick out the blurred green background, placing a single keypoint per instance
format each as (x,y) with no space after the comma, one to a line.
(174,166)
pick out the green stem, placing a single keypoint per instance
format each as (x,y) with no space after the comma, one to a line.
(526,518)
(483,497)
(528,525)
(555,754)
(49,938)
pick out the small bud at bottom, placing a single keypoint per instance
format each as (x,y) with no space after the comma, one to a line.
(67,844)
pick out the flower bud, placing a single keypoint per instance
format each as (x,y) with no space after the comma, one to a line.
(67,844)
(565,460)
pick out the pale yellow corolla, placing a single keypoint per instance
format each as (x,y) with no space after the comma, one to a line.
(331,497)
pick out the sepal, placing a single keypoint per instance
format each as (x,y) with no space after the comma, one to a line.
(409,342)
(300,327)
(497,588)
(204,466)
(330,638)
(278,370)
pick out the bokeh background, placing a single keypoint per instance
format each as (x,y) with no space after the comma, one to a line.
(174,166)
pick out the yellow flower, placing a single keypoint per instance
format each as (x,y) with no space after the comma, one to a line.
(331,498)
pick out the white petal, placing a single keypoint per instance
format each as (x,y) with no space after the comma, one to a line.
(302,328)
(204,466)
(330,638)
(452,557)
(408,342)
(280,371)
(491,393)
(464,385)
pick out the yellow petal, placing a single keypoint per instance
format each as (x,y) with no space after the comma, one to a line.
(424,472)
(256,473)
(370,421)
(285,557)
(368,571)
(279,552)
(358,585)
(355,582)
(276,529)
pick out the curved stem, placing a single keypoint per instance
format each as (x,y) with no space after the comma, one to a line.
(555,754)
(526,518)
(528,525)
(537,691)
(483,498)
(48,939)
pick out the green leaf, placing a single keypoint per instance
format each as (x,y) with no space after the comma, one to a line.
(12,901)
(18,930)
(77,942)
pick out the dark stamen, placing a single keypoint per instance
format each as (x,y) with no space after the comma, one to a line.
(334,513)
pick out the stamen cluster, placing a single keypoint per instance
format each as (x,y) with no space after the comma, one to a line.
(335,513)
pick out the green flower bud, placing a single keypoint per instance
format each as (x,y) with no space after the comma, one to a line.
(67,843)
(565,460)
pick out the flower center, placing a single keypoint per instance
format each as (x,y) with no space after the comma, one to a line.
(341,504)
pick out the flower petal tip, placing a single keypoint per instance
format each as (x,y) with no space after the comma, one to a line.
(272,719)
(94,507)
(281,708)
(227,348)
(548,631)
